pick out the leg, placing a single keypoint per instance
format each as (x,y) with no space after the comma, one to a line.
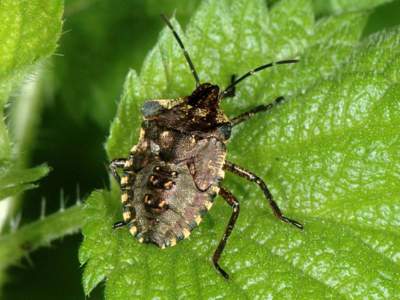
(247,115)
(114,165)
(254,178)
(232,91)
(119,224)
(230,199)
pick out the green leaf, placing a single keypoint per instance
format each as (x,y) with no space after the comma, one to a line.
(339,6)
(14,181)
(29,31)
(329,153)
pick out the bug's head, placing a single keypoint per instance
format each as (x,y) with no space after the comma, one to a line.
(204,96)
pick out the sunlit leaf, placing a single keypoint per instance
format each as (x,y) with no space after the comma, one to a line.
(339,6)
(29,31)
(329,153)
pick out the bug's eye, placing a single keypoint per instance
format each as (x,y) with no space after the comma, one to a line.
(225,129)
(151,108)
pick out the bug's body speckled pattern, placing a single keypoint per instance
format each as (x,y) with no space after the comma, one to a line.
(171,177)
(168,182)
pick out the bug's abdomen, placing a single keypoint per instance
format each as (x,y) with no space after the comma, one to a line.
(167,203)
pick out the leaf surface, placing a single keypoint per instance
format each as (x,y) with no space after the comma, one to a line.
(29,31)
(15,181)
(329,153)
(340,6)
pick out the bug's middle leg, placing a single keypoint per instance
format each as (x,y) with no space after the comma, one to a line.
(116,164)
(230,199)
(254,178)
(261,108)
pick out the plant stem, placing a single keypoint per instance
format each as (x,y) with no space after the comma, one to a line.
(15,245)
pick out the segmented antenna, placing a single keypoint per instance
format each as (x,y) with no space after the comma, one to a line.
(192,69)
(253,71)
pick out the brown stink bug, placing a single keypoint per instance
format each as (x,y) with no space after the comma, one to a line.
(171,177)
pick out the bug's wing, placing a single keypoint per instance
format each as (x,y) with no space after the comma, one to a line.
(206,166)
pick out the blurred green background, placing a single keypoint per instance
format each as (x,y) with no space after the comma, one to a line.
(79,90)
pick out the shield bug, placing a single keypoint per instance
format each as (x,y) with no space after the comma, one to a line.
(171,177)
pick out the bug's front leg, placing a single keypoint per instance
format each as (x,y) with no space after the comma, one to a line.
(254,178)
(232,91)
(230,199)
(261,108)
(115,165)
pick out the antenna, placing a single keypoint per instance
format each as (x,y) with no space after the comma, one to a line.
(252,72)
(192,69)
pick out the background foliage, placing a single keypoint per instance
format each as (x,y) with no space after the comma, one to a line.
(77,91)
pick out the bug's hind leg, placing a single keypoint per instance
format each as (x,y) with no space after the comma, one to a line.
(115,165)
(261,108)
(254,178)
(230,199)
(119,224)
